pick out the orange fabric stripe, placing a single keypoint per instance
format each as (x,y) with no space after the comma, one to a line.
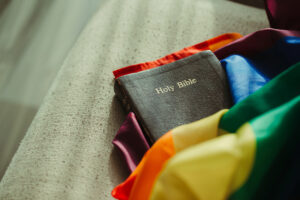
(139,184)
(211,44)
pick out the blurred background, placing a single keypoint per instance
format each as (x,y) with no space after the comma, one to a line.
(35,38)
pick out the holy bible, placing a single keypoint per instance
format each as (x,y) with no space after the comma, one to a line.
(174,94)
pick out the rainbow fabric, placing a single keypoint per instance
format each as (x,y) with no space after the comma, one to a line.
(248,152)
(256,156)
(250,66)
(248,73)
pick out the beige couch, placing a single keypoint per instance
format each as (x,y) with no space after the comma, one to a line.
(67,151)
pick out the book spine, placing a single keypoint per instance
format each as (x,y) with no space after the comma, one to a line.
(121,95)
(129,107)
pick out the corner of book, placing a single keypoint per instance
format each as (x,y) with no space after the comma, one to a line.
(117,89)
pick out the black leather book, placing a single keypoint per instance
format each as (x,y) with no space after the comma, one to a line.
(174,94)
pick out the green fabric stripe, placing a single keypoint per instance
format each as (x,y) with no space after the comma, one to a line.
(272,113)
(278,91)
(277,135)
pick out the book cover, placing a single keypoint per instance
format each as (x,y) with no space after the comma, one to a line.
(174,94)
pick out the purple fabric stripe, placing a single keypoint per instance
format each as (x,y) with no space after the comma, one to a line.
(255,42)
(283,14)
(131,141)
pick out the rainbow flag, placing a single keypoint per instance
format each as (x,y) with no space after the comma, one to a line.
(248,73)
(250,68)
(255,158)
(248,152)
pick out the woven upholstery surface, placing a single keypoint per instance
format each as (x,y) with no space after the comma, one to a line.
(67,152)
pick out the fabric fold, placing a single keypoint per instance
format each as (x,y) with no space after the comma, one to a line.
(255,42)
(248,73)
(253,160)
(131,141)
(139,184)
(283,14)
(236,151)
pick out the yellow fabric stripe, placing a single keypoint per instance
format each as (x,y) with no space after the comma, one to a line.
(246,145)
(211,170)
(223,132)
(190,134)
